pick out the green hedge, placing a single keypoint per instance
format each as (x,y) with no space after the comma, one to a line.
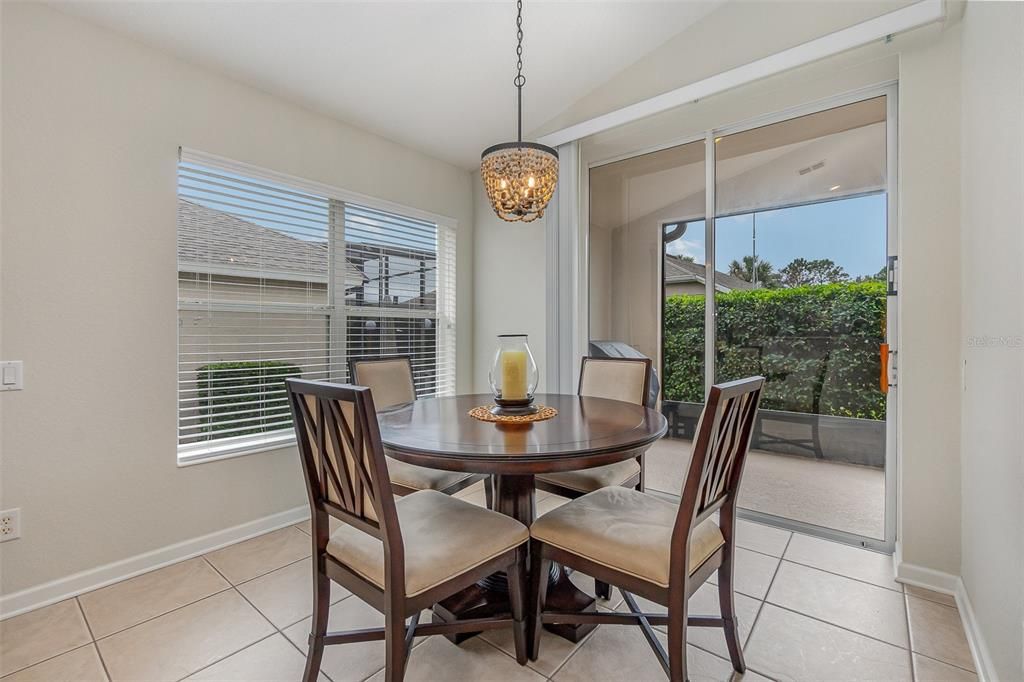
(229,391)
(814,344)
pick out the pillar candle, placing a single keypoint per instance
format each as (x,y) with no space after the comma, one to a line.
(513,375)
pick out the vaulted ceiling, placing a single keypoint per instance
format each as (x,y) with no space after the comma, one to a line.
(435,76)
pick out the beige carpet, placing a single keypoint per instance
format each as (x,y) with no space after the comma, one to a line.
(839,496)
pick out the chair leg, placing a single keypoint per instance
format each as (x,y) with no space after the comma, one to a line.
(318,628)
(517,598)
(603,589)
(540,567)
(726,604)
(394,645)
(489,491)
(677,642)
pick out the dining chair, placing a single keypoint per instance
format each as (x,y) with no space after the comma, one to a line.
(400,556)
(648,546)
(391,380)
(625,379)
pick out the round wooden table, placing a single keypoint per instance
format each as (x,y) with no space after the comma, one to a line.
(587,432)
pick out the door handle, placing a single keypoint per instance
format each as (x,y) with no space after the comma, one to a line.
(883,375)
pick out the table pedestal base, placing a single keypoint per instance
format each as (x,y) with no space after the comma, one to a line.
(564,596)
(489,598)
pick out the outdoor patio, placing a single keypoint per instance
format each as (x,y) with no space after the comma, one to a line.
(832,494)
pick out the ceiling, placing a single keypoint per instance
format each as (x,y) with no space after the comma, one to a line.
(435,76)
(828,154)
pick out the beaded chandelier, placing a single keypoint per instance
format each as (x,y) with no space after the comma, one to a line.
(519,177)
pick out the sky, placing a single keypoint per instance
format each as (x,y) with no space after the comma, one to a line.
(850,232)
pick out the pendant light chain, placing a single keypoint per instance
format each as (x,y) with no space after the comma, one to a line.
(520,79)
(519,177)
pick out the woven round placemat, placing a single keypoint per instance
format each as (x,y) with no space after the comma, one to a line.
(484,414)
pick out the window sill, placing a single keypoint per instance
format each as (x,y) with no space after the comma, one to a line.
(201,453)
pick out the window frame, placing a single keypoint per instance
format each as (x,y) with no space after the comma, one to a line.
(336,311)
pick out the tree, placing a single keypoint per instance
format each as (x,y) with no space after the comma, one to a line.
(802,272)
(766,278)
(880,276)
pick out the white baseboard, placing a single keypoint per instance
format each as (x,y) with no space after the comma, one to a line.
(979,651)
(101,576)
(953,585)
(919,576)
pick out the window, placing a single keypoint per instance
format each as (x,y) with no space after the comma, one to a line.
(282,278)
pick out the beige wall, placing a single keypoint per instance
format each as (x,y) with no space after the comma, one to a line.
(509,277)
(602,264)
(91,126)
(992,250)
(928,397)
(635,287)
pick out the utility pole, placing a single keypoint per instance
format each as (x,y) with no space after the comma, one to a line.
(753,262)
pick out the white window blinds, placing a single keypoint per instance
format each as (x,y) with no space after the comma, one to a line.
(279,279)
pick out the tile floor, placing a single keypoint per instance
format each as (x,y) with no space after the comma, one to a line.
(809,610)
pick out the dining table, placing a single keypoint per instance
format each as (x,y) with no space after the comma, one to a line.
(586,432)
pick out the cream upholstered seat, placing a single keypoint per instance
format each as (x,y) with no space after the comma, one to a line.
(625,379)
(588,480)
(422,478)
(404,475)
(626,530)
(391,381)
(443,536)
(661,551)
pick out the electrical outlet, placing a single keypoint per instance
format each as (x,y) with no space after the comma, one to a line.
(10,524)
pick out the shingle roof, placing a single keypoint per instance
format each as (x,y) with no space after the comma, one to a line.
(211,240)
(679,271)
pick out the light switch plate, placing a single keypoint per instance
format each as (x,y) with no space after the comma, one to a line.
(11,375)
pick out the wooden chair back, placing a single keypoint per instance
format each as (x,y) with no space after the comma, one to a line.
(390,379)
(344,465)
(718,456)
(625,379)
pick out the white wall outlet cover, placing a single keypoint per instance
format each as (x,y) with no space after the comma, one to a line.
(10,524)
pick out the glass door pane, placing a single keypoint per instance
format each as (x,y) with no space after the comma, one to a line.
(800,232)
(647,266)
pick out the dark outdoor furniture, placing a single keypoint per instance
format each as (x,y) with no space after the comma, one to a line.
(398,556)
(817,352)
(674,549)
(587,432)
(391,380)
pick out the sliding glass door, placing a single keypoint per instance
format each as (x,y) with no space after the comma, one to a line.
(801,226)
(763,249)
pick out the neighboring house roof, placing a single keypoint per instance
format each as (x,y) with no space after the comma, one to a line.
(211,241)
(680,271)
